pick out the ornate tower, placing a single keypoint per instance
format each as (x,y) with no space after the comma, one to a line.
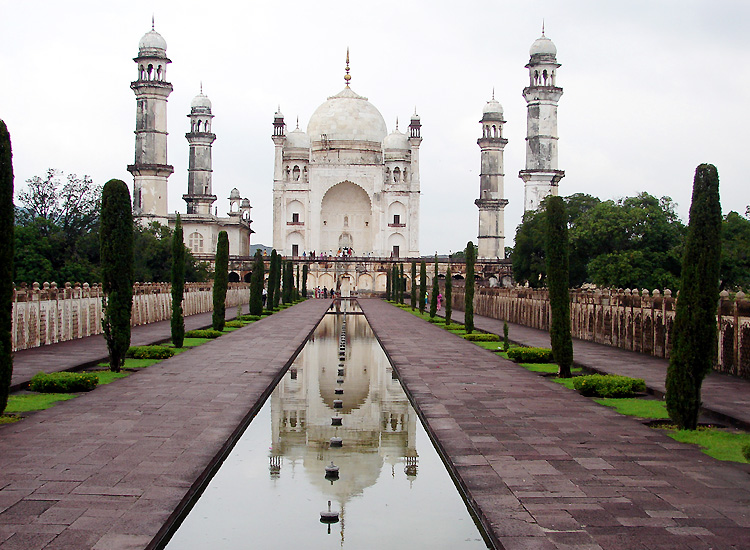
(491,201)
(150,169)
(415,140)
(200,197)
(541,176)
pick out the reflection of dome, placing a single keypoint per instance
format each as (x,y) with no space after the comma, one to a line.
(297,139)
(543,46)
(347,116)
(201,101)
(493,107)
(396,140)
(152,40)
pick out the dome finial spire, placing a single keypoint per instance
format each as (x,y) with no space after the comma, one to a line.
(152,21)
(201,87)
(396,123)
(347,76)
(493,93)
(297,122)
(542,26)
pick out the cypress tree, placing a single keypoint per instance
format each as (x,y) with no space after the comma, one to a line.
(413,285)
(695,331)
(178,284)
(256,284)
(271,281)
(304,280)
(297,287)
(556,253)
(116,237)
(435,290)
(388,275)
(7,242)
(471,257)
(401,284)
(506,342)
(221,281)
(286,296)
(277,280)
(448,295)
(422,285)
(396,284)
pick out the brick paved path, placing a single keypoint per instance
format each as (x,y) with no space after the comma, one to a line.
(549,469)
(106,470)
(725,397)
(73,354)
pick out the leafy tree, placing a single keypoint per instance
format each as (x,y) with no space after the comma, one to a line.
(735,252)
(556,251)
(305,269)
(422,285)
(116,253)
(413,285)
(256,284)
(471,256)
(435,290)
(221,281)
(178,284)
(271,293)
(448,295)
(7,241)
(695,330)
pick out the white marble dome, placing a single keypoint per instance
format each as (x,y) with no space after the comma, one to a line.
(297,139)
(152,40)
(396,141)
(543,46)
(492,107)
(347,116)
(201,101)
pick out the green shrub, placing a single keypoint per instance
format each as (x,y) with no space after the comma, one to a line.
(530,355)
(436,320)
(150,352)
(234,324)
(481,337)
(63,382)
(453,326)
(608,385)
(205,333)
(251,318)
(746,452)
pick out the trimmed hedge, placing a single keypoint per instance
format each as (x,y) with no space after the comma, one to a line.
(530,355)
(63,382)
(436,320)
(150,352)
(251,318)
(608,385)
(481,337)
(746,452)
(454,326)
(206,333)
(234,324)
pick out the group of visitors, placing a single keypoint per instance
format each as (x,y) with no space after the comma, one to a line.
(323,293)
(344,252)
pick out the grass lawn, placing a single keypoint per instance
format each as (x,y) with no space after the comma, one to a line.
(35,401)
(633,406)
(720,444)
(107,376)
(548,368)
(131,363)
(492,346)
(567,382)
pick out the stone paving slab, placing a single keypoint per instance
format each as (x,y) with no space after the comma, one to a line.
(547,468)
(724,396)
(109,469)
(74,354)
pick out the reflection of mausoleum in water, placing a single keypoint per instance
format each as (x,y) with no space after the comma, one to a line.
(378,424)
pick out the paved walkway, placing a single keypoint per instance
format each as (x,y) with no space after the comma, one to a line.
(725,397)
(549,469)
(109,469)
(84,352)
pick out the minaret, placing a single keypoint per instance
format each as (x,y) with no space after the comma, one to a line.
(541,176)
(491,201)
(415,140)
(150,169)
(279,138)
(200,197)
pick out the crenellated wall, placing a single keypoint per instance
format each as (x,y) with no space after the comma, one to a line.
(632,320)
(48,314)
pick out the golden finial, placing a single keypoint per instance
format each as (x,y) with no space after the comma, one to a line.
(347,76)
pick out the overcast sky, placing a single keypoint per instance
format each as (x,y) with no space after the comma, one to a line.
(652,88)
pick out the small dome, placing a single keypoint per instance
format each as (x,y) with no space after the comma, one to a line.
(152,40)
(297,139)
(415,116)
(235,194)
(245,203)
(347,116)
(396,141)
(201,101)
(493,107)
(543,46)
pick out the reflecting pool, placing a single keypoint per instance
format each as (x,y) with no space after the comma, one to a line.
(391,491)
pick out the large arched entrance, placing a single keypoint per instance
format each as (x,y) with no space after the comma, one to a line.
(346,219)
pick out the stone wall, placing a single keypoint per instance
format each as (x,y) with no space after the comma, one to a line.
(48,314)
(632,320)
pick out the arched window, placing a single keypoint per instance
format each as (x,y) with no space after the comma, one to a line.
(288,173)
(544,76)
(396,174)
(195,242)
(295,173)
(346,221)
(387,174)
(304,173)
(150,72)
(158,73)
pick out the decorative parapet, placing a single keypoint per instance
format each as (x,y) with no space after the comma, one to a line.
(46,314)
(636,320)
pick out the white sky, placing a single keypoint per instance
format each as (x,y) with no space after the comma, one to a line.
(652,88)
